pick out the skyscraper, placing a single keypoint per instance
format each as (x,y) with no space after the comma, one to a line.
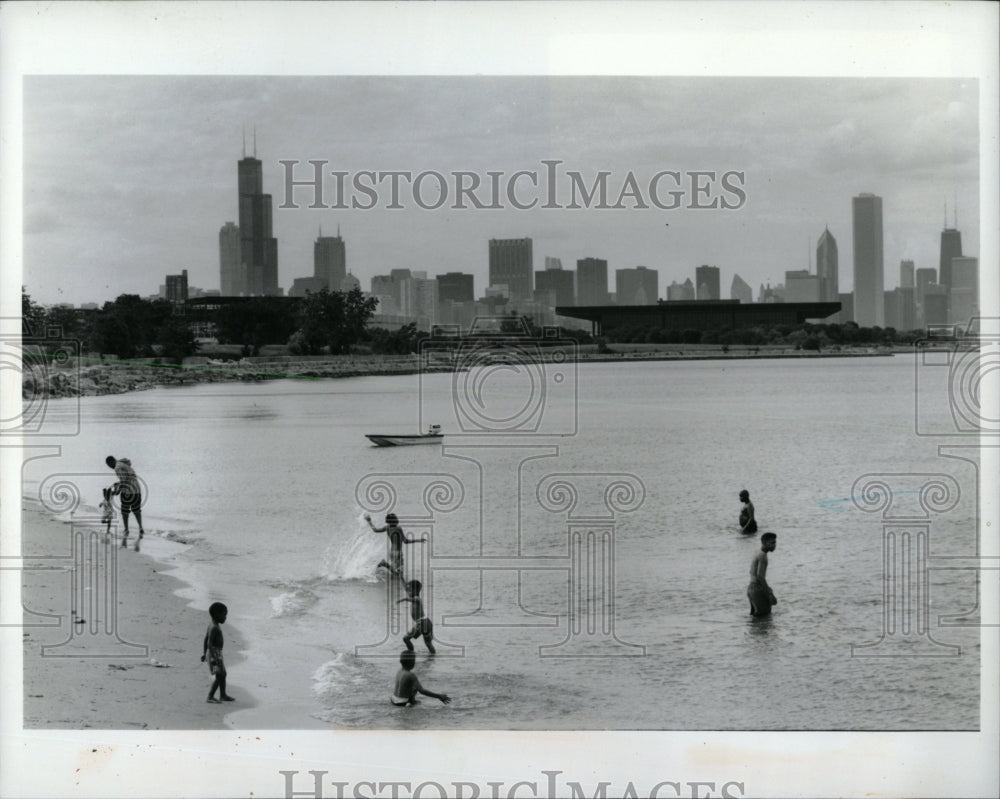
(230,274)
(869,281)
(963,299)
(680,291)
(556,279)
(706,280)
(740,290)
(827,267)
(330,260)
(639,286)
(511,264)
(951,247)
(456,287)
(258,247)
(177,287)
(591,281)
(906,275)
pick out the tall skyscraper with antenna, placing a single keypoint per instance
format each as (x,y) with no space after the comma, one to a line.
(951,247)
(258,247)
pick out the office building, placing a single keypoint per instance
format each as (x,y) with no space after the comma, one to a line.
(706,278)
(740,290)
(951,247)
(330,260)
(456,287)
(556,279)
(846,308)
(258,247)
(177,287)
(963,298)
(230,273)
(306,285)
(680,291)
(827,267)
(935,304)
(869,280)
(800,286)
(511,264)
(906,275)
(592,281)
(639,286)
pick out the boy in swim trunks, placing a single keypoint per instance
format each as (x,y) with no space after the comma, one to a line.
(396,540)
(759,592)
(748,522)
(212,651)
(408,686)
(424,626)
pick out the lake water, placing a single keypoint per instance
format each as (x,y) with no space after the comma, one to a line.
(590,575)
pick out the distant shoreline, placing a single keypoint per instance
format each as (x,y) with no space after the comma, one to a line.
(87,379)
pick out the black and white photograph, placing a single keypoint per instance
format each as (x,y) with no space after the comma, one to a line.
(499,400)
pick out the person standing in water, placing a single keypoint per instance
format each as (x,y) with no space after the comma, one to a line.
(759,592)
(748,522)
(131,496)
(396,540)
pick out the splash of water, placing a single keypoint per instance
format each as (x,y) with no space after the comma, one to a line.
(354,554)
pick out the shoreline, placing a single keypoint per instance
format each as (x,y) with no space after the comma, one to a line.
(139,667)
(81,378)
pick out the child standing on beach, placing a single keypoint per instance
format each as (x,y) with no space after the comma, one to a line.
(759,592)
(107,514)
(407,684)
(424,626)
(396,540)
(212,649)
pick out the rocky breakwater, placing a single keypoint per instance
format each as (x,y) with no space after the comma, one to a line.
(81,378)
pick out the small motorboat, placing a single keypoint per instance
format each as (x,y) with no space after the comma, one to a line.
(432,436)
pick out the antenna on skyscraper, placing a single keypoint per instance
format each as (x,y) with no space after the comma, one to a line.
(946,214)
(244,141)
(956,210)
(338,230)
(254,141)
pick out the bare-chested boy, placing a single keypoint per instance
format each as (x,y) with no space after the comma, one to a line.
(424,626)
(759,592)
(407,684)
(396,540)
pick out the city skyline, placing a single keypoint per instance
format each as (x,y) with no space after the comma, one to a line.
(165,214)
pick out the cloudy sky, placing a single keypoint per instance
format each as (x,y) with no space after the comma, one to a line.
(129,178)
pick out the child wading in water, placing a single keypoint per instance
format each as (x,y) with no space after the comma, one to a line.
(407,684)
(424,626)
(107,514)
(396,540)
(759,592)
(213,650)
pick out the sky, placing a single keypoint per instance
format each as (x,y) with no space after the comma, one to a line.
(128,178)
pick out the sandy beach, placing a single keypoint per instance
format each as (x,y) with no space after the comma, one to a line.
(147,677)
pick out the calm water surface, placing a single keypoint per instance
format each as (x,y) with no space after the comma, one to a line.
(266,484)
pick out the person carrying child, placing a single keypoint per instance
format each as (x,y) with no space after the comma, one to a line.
(212,650)
(408,686)
(424,626)
(396,540)
(131,496)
